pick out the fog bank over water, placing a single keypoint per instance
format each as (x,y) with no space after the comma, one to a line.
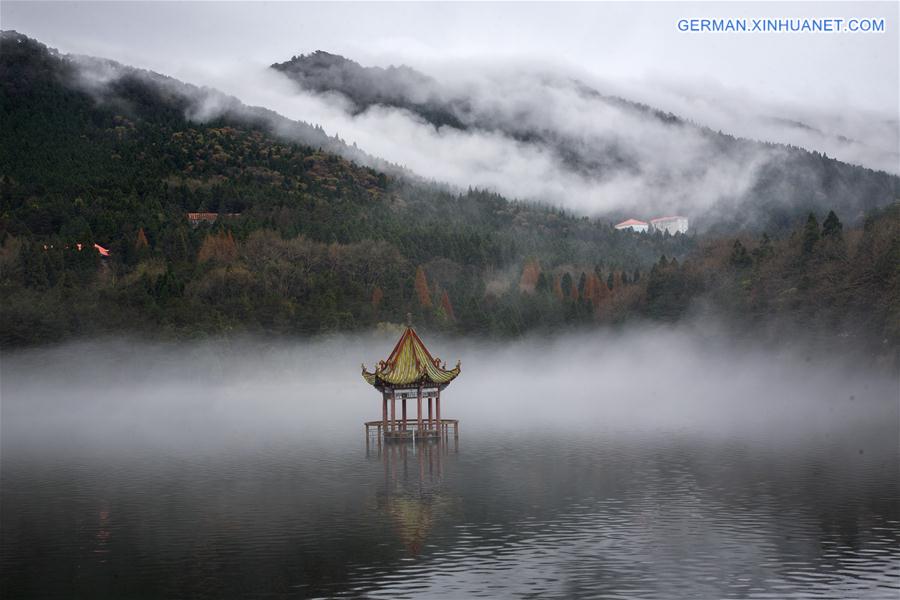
(210,395)
(659,463)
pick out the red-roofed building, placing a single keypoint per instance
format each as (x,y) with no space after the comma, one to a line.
(632,224)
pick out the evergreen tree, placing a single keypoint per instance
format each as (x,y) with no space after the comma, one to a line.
(764,250)
(810,234)
(740,258)
(567,286)
(832,226)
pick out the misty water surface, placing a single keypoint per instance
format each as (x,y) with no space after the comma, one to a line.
(659,464)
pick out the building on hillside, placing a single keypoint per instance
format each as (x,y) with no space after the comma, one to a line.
(632,224)
(671,224)
(195,218)
(409,373)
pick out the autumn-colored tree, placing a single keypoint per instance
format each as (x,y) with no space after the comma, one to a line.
(377,297)
(530,275)
(219,248)
(574,294)
(141,241)
(592,287)
(447,306)
(557,288)
(422,288)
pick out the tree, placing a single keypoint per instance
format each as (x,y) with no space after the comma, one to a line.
(422,288)
(601,292)
(832,245)
(764,250)
(219,248)
(832,226)
(810,234)
(567,286)
(542,286)
(140,241)
(557,288)
(530,275)
(447,307)
(377,297)
(740,258)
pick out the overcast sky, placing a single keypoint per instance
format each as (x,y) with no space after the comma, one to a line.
(616,41)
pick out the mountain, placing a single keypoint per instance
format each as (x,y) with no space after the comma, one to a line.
(626,158)
(134,203)
(96,152)
(400,87)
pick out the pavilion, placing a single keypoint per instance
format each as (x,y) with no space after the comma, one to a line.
(411,372)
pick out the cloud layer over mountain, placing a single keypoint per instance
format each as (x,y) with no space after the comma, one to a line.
(537,121)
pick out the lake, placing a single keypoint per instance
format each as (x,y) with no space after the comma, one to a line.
(659,464)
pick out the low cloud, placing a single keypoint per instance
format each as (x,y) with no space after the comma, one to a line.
(536,132)
(861,137)
(658,166)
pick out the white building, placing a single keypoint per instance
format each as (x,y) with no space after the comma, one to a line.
(632,224)
(671,224)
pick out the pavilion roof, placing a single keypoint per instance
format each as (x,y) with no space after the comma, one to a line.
(409,364)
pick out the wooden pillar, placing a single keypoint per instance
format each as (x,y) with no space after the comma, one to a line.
(438,406)
(384,413)
(430,419)
(419,411)
(393,423)
(404,412)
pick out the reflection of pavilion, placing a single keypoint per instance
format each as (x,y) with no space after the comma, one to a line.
(412,496)
(411,372)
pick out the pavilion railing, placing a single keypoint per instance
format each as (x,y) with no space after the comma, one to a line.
(396,429)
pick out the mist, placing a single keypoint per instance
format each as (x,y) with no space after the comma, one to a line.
(865,137)
(538,131)
(214,395)
(671,169)
(675,462)
(834,97)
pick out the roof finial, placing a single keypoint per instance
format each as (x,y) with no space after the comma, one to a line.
(409,319)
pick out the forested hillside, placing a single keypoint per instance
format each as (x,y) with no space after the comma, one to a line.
(295,238)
